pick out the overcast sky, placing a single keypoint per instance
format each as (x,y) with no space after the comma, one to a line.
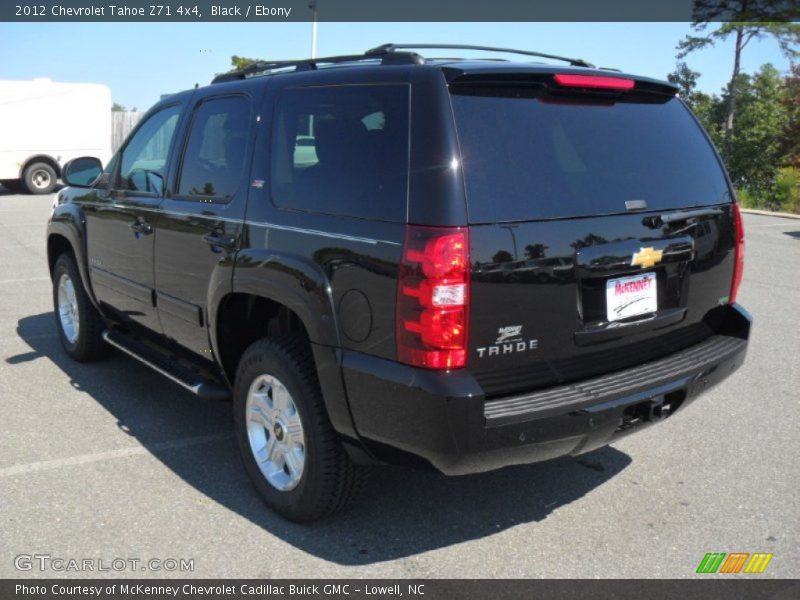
(141,61)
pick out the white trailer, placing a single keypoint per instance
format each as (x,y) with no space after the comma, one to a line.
(43,124)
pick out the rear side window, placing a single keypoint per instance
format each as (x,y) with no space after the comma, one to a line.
(342,150)
(214,159)
(524,158)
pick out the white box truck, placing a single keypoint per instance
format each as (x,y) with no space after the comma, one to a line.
(43,124)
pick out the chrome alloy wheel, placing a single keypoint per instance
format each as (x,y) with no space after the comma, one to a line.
(40,179)
(68,309)
(275,433)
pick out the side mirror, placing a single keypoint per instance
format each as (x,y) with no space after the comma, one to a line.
(155,182)
(82,172)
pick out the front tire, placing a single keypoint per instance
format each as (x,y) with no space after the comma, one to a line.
(288,445)
(79,325)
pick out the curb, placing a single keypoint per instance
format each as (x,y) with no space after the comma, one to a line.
(769,213)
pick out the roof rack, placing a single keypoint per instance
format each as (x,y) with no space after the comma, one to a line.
(391,54)
(310,64)
(389,48)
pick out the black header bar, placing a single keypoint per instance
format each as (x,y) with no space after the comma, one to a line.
(387,10)
(712,588)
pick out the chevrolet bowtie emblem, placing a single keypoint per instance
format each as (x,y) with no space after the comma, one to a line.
(646,257)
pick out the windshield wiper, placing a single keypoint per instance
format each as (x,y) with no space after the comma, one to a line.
(657,221)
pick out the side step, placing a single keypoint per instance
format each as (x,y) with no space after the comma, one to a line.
(168,366)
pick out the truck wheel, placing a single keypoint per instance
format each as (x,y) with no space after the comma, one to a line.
(79,325)
(289,448)
(40,178)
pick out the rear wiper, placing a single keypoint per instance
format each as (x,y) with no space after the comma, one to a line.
(657,221)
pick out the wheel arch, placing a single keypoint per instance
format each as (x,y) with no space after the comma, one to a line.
(57,244)
(66,233)
(243,318)
(288,280)
(45,158)
(269,302)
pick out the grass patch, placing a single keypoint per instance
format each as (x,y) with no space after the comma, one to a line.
(783,197)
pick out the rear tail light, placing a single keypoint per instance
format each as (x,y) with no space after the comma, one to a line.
(594,81)
(738,264)
(433,298)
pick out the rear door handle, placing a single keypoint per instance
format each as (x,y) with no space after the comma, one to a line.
(141,227)
(217,239)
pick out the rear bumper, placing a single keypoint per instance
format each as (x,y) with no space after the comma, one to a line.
(444,418)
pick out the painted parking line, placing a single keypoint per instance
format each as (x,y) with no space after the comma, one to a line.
(95,457)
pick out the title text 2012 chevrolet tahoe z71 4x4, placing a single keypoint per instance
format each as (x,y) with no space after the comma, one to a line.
(383,258)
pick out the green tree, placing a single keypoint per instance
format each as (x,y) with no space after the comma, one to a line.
(745,20)
(117,107)
(757,151)
(686,80)
(710,110)
(791,137)
(240,62)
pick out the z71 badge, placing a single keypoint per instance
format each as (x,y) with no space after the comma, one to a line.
(509,340)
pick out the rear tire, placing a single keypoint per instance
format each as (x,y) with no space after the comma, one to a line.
(288,445)
(80,327)
(40,178)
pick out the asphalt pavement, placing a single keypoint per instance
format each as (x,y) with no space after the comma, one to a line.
(111,461)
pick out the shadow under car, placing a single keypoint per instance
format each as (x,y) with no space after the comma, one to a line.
(402,512)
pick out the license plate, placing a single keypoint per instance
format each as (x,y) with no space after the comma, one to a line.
(631,296)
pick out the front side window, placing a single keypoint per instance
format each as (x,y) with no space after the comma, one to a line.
(143,162)
(214,159)
(342,150)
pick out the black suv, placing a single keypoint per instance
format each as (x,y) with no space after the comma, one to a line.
(382,258)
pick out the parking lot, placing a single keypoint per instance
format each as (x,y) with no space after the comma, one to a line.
(111,460)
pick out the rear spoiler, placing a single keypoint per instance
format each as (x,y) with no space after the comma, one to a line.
(558,82)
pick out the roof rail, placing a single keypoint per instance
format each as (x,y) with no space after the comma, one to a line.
(390,48)
(309,64)
(388,54)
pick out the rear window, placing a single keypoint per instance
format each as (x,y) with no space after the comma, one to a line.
(526,158)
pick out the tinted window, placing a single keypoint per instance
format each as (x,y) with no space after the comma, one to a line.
(214,159)
(342,150)
(526,159)
(145,156)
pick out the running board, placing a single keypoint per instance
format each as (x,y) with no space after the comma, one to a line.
(167,366)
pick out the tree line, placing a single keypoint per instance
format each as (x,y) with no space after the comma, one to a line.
(755,119)
(763,151)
